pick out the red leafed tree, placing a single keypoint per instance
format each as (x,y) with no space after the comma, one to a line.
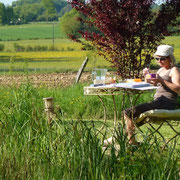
(128,30)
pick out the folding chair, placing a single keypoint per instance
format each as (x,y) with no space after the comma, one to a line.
(161,117)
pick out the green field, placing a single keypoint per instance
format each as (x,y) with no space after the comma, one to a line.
(60,61)
(68,56)
(58,42)
(30,31)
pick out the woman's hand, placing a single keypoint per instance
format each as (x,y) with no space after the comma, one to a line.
(145,71)
(155,81)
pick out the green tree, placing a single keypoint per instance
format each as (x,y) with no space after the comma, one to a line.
(64,10)
(22,2)
(50,12)
(59,4)
(9,14)
(2,13)
(69,25)
(38,10)
(29,12)
(129,31)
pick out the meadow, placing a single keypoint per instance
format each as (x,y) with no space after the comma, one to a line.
(69,147)
(67,57)
(30,31)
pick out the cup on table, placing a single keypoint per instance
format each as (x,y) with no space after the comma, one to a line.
(99,76)
(93,76)
(149,76)
(153,75)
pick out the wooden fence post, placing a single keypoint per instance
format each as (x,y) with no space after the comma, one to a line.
(49,108)
(81,70)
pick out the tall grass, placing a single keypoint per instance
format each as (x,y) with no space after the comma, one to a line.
(69,149)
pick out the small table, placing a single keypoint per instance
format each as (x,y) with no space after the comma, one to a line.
(131,89)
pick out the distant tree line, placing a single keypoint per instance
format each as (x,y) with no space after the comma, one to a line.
(24,11)
(6,14)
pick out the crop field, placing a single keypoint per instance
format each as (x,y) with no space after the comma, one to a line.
(60,61)
(68,55)
(30,31)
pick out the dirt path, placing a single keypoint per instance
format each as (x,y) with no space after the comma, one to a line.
(51,80)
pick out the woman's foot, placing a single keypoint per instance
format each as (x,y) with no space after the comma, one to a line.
(108,141)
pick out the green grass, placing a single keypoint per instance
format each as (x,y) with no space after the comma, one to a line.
(70,149)
(175,42)
(60,43)
(30,31)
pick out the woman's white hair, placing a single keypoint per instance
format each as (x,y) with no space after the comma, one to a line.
(173,59)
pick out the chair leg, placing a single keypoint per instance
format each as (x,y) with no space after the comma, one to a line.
(170,140)
(157,130)
(172,127)
(154,130)
(176,133)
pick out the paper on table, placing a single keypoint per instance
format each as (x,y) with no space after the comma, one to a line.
(133,85)
(126,85)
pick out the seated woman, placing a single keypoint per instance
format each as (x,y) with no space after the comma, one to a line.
(168,82)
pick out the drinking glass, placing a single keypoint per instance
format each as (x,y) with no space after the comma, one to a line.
(99,76)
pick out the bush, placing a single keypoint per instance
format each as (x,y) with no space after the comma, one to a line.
(40,48)
(29,48)
(62,49)
(53,48)
(2,47)
(19,48)
(70,49)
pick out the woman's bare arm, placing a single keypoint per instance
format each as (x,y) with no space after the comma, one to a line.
(175,77)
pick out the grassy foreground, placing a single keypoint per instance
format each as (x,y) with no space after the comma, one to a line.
(70,149)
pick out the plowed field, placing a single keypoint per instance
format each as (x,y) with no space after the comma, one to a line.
(49,80)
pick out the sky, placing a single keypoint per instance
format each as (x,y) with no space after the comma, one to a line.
(6,2)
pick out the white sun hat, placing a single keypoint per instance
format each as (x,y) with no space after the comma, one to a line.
(166,50)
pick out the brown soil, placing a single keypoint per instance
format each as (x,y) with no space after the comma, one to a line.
(50,80)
